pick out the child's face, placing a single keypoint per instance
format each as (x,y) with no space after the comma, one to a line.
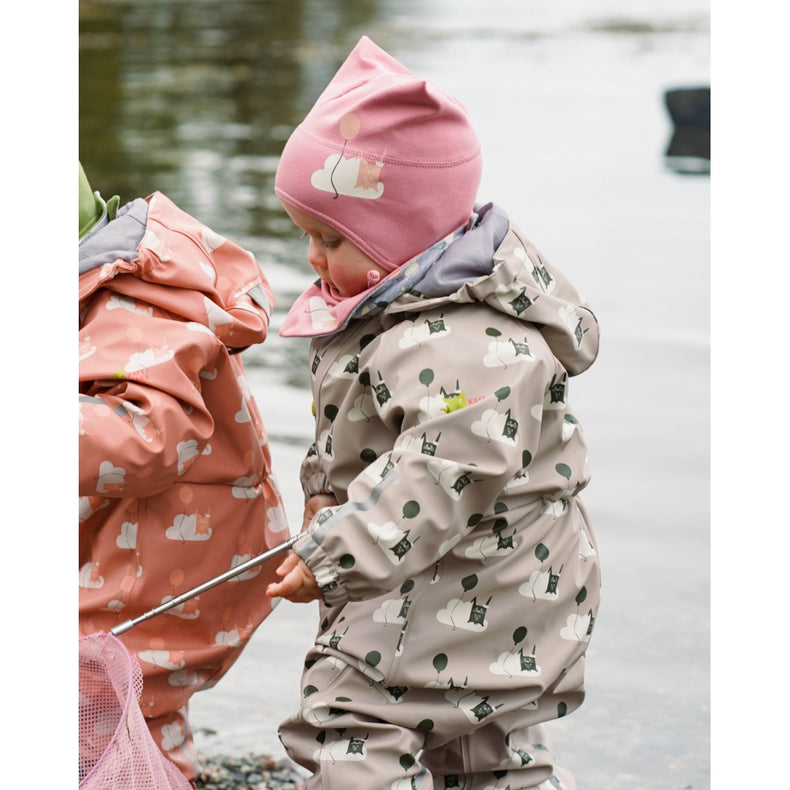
(335,259)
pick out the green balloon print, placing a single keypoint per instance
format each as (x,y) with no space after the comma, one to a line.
(541,552)
(564,470)
(426,376)
(330,412)
(411,509)
(308,690)
(364,378)
(526,458)
(347,561)
(474,520)
(469,582)
(426,725)
(581,596)
(519,634)
(407,587)
(502,393)
(493,332)
(368,455)
(406,761)
(373,658)
(440,662)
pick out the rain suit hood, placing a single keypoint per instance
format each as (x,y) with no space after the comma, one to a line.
(139,241)
(491,262)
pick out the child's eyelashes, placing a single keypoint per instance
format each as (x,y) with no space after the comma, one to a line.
(325,243)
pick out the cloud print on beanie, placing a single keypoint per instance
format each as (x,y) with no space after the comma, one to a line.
(355,177)
(388,159)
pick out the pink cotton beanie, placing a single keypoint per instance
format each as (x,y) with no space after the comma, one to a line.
(387,159)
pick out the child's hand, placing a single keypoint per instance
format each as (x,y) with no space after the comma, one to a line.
(298,584)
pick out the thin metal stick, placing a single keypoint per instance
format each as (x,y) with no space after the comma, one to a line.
(127,625)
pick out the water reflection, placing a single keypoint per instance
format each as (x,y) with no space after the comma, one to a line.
(196,98)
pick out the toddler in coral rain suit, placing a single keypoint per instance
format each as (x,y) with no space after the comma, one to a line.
(444,536)
(175,479)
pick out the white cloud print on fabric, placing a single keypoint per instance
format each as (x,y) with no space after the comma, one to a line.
(348,177)
(353,177)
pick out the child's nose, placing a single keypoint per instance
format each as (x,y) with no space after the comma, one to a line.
(315,255)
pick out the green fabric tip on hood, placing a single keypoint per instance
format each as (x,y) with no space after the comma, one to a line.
(92,207)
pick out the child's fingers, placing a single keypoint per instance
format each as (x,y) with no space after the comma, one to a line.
(287,565)
(291,583)
(298,584)
(280,589)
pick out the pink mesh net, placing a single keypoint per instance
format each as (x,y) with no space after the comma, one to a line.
(116,750)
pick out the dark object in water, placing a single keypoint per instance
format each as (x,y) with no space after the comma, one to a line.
(689,106)
(689,148)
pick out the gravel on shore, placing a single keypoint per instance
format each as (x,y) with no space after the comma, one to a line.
(251,772)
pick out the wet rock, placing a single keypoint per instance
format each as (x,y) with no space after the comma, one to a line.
(251,772)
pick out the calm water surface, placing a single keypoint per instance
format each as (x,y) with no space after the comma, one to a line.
(197,98)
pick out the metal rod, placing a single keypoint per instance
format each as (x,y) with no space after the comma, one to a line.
(127,625)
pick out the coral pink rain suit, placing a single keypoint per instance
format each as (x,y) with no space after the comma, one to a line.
(175,479)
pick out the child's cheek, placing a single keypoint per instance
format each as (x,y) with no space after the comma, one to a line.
(350,283)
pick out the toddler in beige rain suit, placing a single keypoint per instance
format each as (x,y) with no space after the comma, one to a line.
(455,563)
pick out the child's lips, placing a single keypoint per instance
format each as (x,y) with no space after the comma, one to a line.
(337,294)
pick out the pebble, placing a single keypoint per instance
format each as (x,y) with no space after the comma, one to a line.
(251,772)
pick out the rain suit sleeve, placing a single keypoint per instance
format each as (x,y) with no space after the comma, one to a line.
(462,422)
(154,327)
(143,419)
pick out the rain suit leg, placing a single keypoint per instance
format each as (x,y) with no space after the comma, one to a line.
(354,732)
